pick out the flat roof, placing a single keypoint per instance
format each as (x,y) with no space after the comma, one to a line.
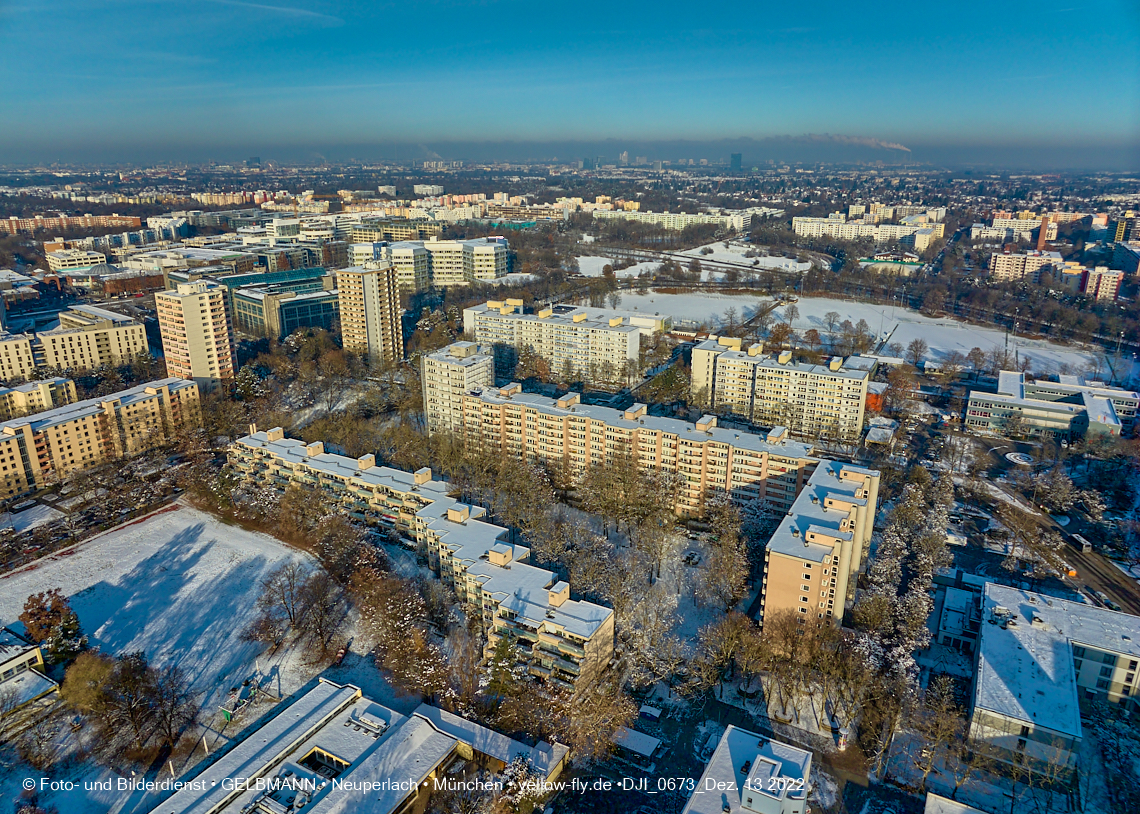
(90,407)
(544,757)
(809,513)
(637,742)
(1025,669)
(937,804)
(744,760)
(684,430)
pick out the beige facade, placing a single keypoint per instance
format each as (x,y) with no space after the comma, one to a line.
(1006,267)
(446,376)
(812,401)
(411,259)
(197,338)
(838,226)
(74,259)
(600,344)
(370,312)
(459,262)
(35,397)
(558,639)
(17,357)
(88,338)
(811,561)
(43,448)
(569,437)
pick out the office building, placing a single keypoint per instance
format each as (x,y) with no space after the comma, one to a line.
(600,344)
(750,773)
(447,375)
(568,437)
(558,639)
(197,338)
(35,397)
(1063,410)
(279,310)
(812,401)
(1037,658)
(811,561)
(370,312)
(333,751)
(1013,266)
(43,448)
(74,259)
(735,161)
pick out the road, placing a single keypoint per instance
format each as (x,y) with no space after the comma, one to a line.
(1096,573)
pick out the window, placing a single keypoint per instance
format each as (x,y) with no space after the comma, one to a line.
(1106,672)
(1108,658)
(1102,683)
(1078,652)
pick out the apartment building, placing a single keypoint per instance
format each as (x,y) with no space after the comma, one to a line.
(460,262)
(811,561)
(17,356)
(569,437)
(370,312)
(678,221)
(334,750)
(812,401)
(1101,283)
(602,344)
(749,773)
(1013,266)
(197,337)
(558,639)
(35,397)
(74,260)
(371,230)
(88,338)
(920,232)
(411,259)
(1037,658)
(1012,230)
(45,447)
(59,223)
(449,374)
(1064,410)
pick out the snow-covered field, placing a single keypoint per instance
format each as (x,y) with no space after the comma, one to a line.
(31,518)
(735,251)
(890,323)
(590,266)
(181,586)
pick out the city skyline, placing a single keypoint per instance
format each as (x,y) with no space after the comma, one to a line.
(136,80)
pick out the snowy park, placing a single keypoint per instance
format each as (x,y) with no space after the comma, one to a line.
(889,322)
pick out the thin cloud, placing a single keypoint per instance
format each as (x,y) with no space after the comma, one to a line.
(877,144)
(287,11)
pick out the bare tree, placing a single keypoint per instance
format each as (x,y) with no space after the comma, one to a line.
(173,703)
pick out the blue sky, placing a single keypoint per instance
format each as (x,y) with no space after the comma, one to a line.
(231,76)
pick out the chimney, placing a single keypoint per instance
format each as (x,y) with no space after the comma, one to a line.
(422,476)
(1041,239)
(253,429)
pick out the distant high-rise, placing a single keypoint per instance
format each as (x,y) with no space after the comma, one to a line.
(197,338)
(254,161)
(623,158)
(370,312)
(736,161)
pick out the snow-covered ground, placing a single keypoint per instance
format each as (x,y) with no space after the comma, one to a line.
(30,518)
(182,586)
(886,321)
(589,266)
(735,253)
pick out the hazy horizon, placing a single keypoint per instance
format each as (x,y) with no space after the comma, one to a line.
(1040,86)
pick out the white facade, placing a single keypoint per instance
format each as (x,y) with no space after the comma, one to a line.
(750,773)
(919,232)
(74,259)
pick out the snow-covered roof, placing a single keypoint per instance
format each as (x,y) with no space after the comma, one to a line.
(636,742)
(749,764)
(809,513)
(1025,666)
(937,804)
(13,645)
(1100,410)
(91,407)
(544,758)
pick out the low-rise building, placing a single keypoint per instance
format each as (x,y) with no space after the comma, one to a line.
(1063,410)
(812,401)
(812,558)
(1037,657)
(561,640)
(333,751)
(22,679)
(77,259)
(42,448)
(750,773)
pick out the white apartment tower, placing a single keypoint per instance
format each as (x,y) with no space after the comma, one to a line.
(197,337)
(447,375)
(370,312)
